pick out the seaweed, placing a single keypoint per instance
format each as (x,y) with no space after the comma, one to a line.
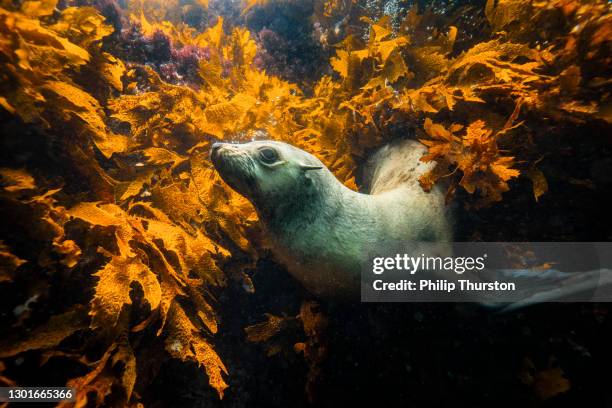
(121,235)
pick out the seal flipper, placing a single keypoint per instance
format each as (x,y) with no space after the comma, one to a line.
(553,285)
(394,164)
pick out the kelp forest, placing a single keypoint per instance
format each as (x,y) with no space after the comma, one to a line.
(131,272)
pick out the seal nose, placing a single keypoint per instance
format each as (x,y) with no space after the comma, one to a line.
(214,150)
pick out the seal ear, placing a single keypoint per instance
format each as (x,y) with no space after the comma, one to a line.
(305,167)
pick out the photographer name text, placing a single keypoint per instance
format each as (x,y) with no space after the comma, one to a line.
(442,285)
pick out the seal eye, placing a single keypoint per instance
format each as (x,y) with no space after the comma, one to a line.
(268,155)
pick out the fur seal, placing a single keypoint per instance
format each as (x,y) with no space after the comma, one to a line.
(320,229)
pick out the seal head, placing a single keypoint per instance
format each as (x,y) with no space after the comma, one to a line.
(272,175)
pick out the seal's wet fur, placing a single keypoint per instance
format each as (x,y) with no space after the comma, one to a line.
(320,229)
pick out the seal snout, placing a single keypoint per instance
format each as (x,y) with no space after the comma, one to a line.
(215,150)
(235,167)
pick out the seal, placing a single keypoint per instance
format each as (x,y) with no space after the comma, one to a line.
(320,229)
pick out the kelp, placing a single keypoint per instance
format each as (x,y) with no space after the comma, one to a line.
(140,221)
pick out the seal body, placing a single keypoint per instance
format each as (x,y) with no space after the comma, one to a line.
(320,229)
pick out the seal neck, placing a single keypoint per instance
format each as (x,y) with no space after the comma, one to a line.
(321,196)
